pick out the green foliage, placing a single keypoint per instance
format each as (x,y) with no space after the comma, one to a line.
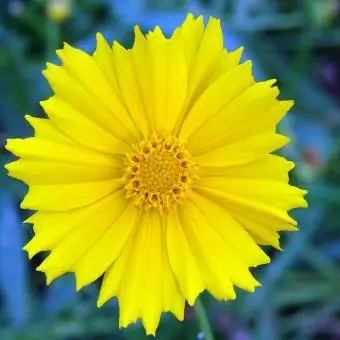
(294,41)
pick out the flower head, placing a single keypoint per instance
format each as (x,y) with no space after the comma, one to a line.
(58,10)
(154,168)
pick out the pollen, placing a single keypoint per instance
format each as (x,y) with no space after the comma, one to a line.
(159,172)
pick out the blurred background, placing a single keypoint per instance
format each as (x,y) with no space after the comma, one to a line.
(295,41)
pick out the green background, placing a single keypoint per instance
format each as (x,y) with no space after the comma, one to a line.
(297,42)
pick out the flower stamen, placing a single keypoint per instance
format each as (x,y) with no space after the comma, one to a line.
(159,172)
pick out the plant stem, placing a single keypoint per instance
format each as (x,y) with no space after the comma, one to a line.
(203,320)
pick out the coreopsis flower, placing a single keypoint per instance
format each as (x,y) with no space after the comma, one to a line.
(58,10)
(154,169)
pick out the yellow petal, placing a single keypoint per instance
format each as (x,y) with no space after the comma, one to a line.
(141,288)
(35,148)
(208,53)
(259,216)
(227,61)
(71,91)
(207,50)
(267,167)
(85,227)
(230,230)
(182,261)
(189,36)
(220,266)
(42,219)
(211,102)
(84,69)
(254,111)
(172,298)
(49,228)
(244,151)
(105,251)
(50,162)
(64,197)
(113,276)
(103,56)
(41,172)
(261,227)
(168,80)
(44,129)
(256,208)
(130,89)
(270,192)
(177,83)
(82,129)
(157,49)
(131,307)
(153,290)
(142,68)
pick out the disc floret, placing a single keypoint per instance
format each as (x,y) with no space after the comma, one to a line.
(159,172)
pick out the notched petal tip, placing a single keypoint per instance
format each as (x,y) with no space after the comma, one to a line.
(79,283)
(248,66)
(291,165)
(116,45)
(8,145)
(139,36)
(28,250)
(238,53)
(277,246)
(200,18)
(304,192)
(189,16)
(157,32)
(81,279)
(179,316)
(192,299)
(304,202)
(150,332)
(24,205)
(137,30)
(239,50)
(100,37)
(50,68)
(42,268)
(213,21)
(99,303)
(232,296)
(300,200)
(67,45)
(288,104)
(125,321)
(50,65)
(61,53)
(13,145)
(285,139)
(272,82)
(49,279)
(29,118)
(29,219)
(8,168)
(294,229)
(50,274)
(44,103)
(265,259)
(102,298)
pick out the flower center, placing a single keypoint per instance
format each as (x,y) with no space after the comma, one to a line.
(159,172)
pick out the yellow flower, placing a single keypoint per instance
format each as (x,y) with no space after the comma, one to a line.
(154,169)
(58,10)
